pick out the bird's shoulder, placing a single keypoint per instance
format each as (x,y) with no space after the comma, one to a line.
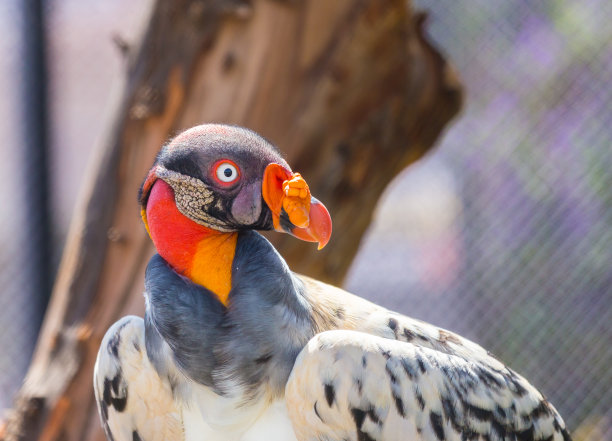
(335,308)
(133,401)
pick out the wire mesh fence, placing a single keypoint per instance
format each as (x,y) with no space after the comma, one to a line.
(22,277)
(504,234)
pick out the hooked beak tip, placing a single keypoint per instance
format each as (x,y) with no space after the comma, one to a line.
(319,225)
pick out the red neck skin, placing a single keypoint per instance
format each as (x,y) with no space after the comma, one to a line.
(175,236)
(202,254)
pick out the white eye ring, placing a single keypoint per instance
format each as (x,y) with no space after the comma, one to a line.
(227,172)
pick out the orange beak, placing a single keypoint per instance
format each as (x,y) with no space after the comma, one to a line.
(294,210)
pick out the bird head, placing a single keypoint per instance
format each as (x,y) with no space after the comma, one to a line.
(226,179)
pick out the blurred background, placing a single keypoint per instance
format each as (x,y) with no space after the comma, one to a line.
(503,233)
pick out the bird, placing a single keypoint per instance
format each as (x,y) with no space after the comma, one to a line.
(235,346)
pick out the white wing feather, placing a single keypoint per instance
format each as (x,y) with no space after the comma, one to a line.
(133,402)
(348,385)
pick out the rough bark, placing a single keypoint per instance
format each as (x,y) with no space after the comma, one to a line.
(350,90)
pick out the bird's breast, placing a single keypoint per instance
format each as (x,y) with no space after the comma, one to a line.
(212,417)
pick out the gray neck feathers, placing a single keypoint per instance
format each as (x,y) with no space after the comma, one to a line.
(252,344)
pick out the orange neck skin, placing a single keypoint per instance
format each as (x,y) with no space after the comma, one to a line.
(202,254)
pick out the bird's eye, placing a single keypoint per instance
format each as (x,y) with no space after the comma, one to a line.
(227,172)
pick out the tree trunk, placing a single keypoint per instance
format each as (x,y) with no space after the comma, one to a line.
(350,91)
